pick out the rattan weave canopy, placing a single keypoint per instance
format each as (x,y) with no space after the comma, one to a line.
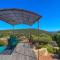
(18,16)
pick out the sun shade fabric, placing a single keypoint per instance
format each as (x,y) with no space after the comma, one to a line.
(18,16)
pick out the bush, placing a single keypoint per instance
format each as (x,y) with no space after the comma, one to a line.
(43,38)
(49,48)
(58,52)
(56,38)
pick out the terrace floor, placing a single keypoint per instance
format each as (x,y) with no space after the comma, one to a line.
(21,52)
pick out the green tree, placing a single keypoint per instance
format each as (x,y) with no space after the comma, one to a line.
(56,38)
(43,38)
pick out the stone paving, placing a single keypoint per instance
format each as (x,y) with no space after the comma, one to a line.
(21,52)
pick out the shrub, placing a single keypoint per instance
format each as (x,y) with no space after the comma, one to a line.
(49,48)
(43,38)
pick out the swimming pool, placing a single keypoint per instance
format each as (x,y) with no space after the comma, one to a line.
(2,48)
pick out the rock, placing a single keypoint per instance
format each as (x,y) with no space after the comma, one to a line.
(43,51)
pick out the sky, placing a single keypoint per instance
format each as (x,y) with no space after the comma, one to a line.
(48,9)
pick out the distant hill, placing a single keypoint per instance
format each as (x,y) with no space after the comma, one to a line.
(56,32)
(24,31)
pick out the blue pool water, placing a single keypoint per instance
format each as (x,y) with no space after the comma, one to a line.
(2,48)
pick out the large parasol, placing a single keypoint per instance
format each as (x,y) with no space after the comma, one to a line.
(18,16)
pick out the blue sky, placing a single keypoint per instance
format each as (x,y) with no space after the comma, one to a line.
(48,9)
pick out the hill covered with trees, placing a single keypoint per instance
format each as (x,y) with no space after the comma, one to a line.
(24,31)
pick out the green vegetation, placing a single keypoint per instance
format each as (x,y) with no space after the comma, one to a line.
(7,33)
(43,41)
(49,48)
(56,37)
(44,37)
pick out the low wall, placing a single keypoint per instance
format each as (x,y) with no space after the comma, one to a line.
(5,57)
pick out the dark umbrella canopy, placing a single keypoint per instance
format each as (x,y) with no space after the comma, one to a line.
(18,16)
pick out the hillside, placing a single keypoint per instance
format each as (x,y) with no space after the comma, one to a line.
(24,31)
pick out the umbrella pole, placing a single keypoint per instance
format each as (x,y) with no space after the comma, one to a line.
(38,39)
(13,29)
(30,36)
